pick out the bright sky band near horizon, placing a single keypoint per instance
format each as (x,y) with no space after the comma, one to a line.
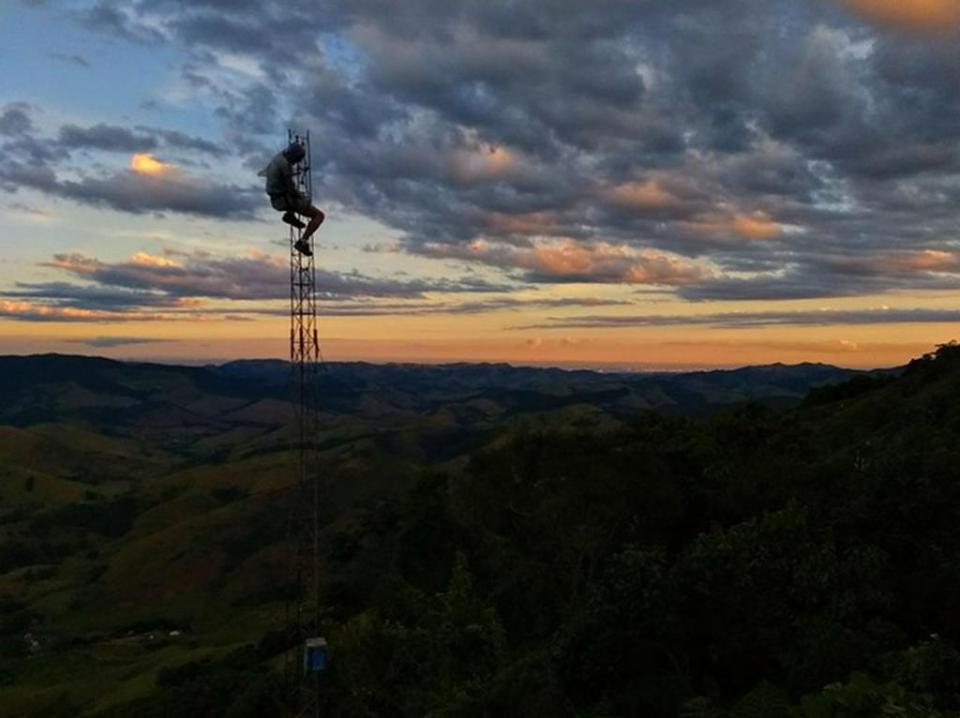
(632,184)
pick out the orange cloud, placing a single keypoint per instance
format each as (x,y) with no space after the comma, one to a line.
(927,260)
(931,260)
(568,257)
(152,260)
(600,262)
(923,15)
(27,311)
(649,195)
(530,223)
(485,164)
(75,263)
(146,164)
(756,226)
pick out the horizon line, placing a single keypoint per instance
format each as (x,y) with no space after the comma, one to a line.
(594,367)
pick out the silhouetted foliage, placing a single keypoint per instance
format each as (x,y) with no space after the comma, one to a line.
(797,564)
(750,564)
(111,518)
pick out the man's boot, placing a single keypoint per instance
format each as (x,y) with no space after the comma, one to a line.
(303,247)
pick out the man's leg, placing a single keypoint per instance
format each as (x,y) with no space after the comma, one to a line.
(316,219)
(291,219)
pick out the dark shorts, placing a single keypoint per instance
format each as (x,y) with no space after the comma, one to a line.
(300,204)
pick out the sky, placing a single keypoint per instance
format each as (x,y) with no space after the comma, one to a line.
(630,184)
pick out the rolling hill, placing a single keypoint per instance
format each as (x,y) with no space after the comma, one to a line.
(494,536)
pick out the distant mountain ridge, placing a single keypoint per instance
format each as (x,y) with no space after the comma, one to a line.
(103,391)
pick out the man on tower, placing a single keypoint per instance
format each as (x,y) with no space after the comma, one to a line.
(286,198)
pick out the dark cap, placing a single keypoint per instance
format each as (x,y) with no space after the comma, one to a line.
(294,153)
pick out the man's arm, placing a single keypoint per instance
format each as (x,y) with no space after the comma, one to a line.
(289,186)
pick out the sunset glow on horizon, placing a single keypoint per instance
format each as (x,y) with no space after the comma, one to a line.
(635,186)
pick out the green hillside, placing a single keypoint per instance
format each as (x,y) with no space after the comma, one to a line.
(522,549)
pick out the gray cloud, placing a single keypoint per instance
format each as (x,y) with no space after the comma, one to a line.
(183,286)
(114,342)
(136,193)
(40,312)
(105,137)
(37,176)
(112,138)
(175,139)
(178,285)
(95,298)
(71,59)
(834,275)
(15,119)
(748,136)
(194,276)
(33,162)
(570,262)
(26,208)
(500,304)
(118,19)
(27,161)
(739,320)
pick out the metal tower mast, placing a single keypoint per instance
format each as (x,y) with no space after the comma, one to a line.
(303,604)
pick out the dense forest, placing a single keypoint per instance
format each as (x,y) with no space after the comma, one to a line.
(753,562)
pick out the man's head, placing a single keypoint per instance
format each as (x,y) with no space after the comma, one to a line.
(294,153)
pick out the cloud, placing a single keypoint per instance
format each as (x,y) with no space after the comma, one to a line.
(112,342)
(647,196)
(105,137)
(751,320)
(745,226)
(146,164)
(483,306)
(835,275)
(570,261)
(178,286)
(174,139)
(151,287)
(251,278)
(198,276)
(137,192)
(27,209)
(71,59)
(113,138)
(42,312)
(72,296)
(122,21)
(904,264)
(15,119)
(718,148)
(150,185)
(926,15)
